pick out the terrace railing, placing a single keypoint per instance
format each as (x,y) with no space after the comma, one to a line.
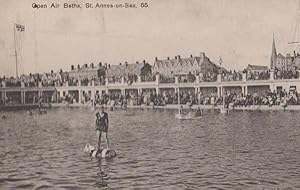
(140,80)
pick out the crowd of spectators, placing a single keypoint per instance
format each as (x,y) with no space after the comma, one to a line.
(148,78)
(208,77)
(285,74)
(258,75)
(190,98)
(48,79)
(187,78)
(190,78)
(269,98)
(34,80)
(129,79)
(61,78)
(73,81)
(100,81)
(165,79)
(10,82)
(231,76)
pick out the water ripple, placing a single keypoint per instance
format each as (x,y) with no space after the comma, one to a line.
(244,150)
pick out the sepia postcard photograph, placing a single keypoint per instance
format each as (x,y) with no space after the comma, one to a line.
(150,94)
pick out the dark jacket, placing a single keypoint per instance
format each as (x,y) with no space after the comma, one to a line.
(102,122)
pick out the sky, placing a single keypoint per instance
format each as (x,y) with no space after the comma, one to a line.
(239,31)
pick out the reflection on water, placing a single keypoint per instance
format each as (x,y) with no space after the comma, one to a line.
(243,150)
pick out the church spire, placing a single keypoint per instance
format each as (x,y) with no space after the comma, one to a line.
(273,54)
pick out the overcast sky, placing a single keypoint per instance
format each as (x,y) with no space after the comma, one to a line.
(240,31)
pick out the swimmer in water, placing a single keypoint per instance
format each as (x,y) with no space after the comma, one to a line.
(181,110)
(29,112)
(198,112)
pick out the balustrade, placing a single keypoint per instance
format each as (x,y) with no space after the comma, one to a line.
(139,80)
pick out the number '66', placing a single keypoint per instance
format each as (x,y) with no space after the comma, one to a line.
(144,5)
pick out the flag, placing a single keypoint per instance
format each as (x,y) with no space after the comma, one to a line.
(20,28)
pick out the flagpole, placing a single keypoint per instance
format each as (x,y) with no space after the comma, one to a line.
(16,50)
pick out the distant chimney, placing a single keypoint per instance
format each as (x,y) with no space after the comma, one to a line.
(108,65)
(168,58)
(178,56)
(126,63)
(85,66)
(120,63)
(100,64)
(144,61)
(92,65)
(156,59)
(202,54)
(175,57)
(137,62)
(78,66)
(51,72)
(191,56)
(72,67)
(60,71)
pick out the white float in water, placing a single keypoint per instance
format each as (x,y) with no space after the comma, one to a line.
(224,110)
(103,153)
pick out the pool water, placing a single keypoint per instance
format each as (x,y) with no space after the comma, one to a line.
(242,150)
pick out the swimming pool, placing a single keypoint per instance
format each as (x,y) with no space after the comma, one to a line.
(242,150)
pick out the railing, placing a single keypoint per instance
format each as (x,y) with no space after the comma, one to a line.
(286,75)
(99,82)
(73,83)
(232,77)
(167,80)
(147,78)
(265,77)
(13,84)
(258,76)
(114,82)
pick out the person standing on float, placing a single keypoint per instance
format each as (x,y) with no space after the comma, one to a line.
(102,127)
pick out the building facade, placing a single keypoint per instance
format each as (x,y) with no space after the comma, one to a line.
(87,72)
(128,71)
(184,66)
(281,62)
(256,68)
